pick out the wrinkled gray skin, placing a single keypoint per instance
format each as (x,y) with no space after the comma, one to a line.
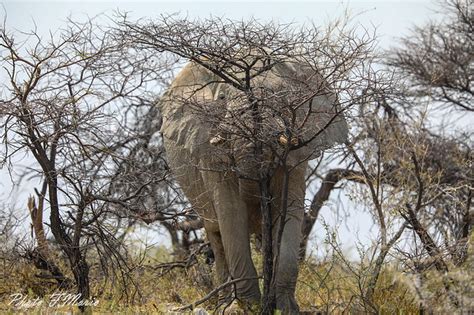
(228,205)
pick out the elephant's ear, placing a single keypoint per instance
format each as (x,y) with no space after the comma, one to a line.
(182,123)
(322,125)
(320,122)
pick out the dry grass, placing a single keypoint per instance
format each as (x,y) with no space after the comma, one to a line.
(328,287)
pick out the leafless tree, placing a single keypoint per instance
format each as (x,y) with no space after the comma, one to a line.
(421,174)
(66,100)
(237,52)
(436,59)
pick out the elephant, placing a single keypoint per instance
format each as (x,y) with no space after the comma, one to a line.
(211,165)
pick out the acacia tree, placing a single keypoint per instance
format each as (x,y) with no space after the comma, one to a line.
(435,62)
(436,59)
(436,66)
(417,184)
(237,53)
(66,101)
(416,176)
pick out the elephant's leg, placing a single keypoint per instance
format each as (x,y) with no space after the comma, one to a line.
(222,271)
(287,269)
(233,226)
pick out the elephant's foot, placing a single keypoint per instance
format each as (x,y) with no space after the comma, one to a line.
(286,303)
(247,292)
(243,300)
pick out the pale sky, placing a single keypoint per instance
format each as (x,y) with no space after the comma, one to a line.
(391,18)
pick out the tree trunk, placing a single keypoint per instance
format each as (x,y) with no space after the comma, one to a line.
(80,268)
(268,297)
(42,257)
(78,263)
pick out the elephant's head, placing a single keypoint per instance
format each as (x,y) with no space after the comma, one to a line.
(289,109)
